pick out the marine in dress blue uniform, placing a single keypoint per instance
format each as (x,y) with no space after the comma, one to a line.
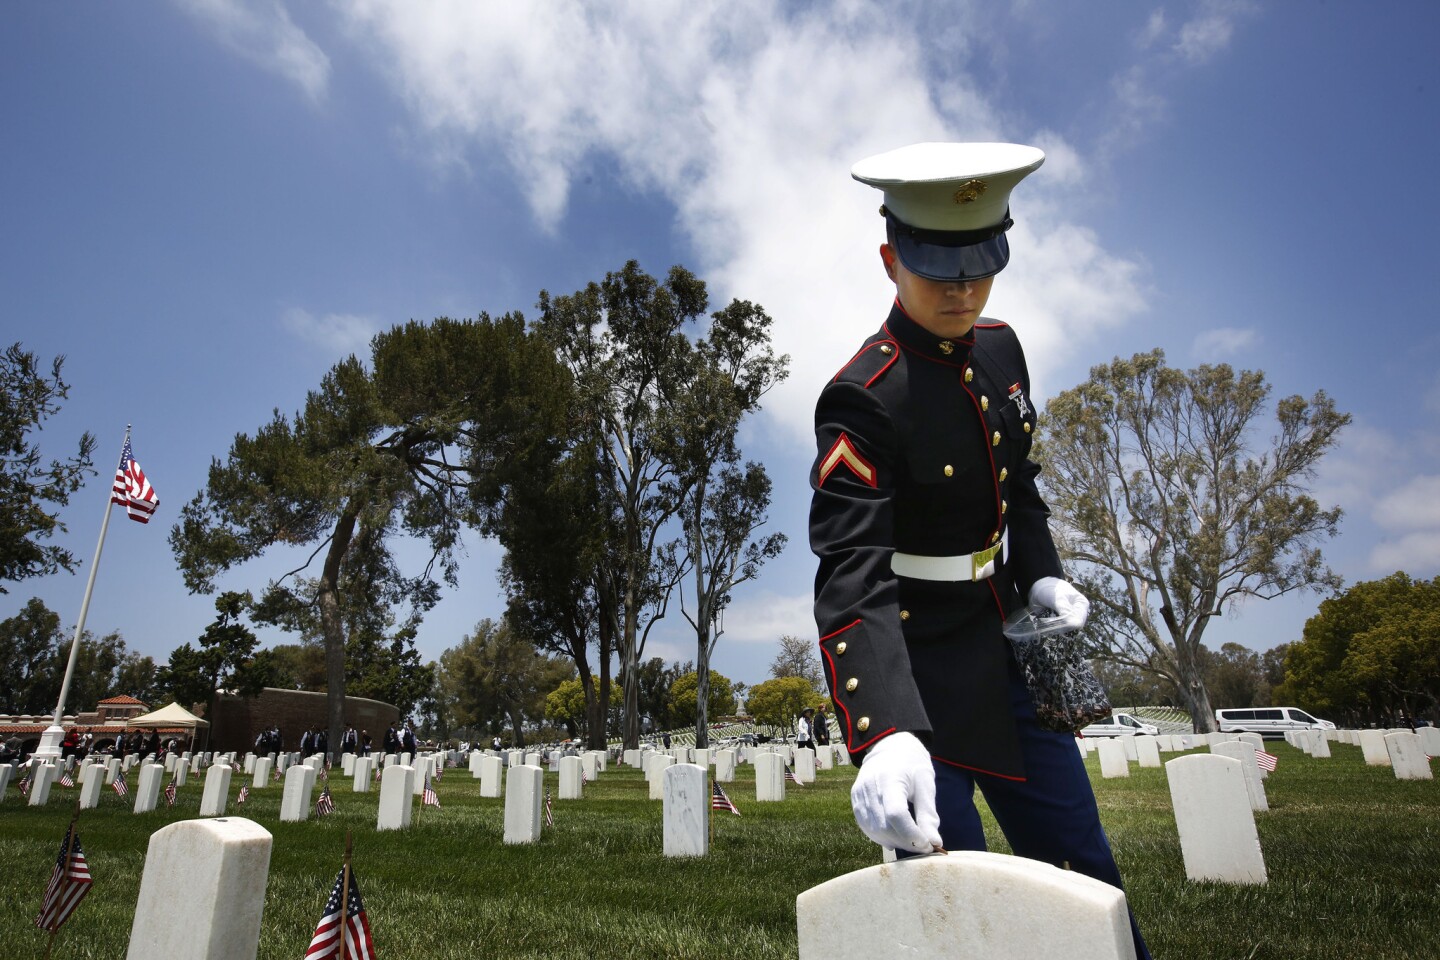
(930,529)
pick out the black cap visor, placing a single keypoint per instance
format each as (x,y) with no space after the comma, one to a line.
(951,257)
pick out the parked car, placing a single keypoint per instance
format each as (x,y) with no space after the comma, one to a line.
(1120,725)
(1273,722)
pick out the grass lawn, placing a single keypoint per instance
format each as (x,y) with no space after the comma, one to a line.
(1353,857)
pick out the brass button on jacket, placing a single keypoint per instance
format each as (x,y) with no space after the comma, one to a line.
(840,649)
(851,684)
(863,724)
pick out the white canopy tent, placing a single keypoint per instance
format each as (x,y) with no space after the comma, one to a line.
(171,717)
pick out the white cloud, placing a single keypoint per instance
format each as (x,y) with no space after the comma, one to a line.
(764,617)
(262,32)
(1414,505)
(1220,342)
(1153,30)
(1207,34)
(1418,554)
(747,120)
(342,333)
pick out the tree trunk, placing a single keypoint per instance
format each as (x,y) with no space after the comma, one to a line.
(599,734)
(517,723)
(631,659)
(332,625)
(702,692)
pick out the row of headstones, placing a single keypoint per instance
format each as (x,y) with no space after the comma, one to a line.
(937,906)
(1215,797)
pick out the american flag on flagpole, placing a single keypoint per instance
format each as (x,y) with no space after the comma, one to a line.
(549,813)
(119,785)
(428,796)
(131,490)
(327,939)
(68,884)
(720,801)
(170,793)
(244,795)
(326,804)
(1267,761)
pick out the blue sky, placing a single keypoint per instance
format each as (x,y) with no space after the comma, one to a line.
(207,203)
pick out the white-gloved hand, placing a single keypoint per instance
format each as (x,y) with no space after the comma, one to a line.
(1065,600)
(896,776)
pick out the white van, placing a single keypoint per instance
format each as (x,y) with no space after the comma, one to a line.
(1119,725)
(1268,721)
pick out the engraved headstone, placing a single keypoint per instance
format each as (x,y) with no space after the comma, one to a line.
(147,789)
(1113,761)
(769,777)
(492,777)
(299,785)
(1214,817)
(1407,758)
(969,904)
(686,810)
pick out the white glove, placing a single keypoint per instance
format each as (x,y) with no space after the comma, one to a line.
(896,775)
(1058,595)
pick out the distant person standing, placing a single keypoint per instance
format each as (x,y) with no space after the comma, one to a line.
(803,737)
(822,727)
(391,742)
(365,743)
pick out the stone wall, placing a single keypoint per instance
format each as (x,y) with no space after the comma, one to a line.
(236,721)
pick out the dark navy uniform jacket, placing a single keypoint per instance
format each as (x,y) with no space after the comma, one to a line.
(923,448)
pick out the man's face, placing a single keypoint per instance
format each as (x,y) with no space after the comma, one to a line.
(946,308)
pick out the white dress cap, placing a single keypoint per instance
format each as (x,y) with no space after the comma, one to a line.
(955,187)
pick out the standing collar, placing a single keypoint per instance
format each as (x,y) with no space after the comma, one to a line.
(916,339)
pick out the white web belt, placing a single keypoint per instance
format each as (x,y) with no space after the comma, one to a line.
(965,566)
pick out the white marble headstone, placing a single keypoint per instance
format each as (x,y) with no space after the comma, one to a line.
(263,767)
(686,811)
(92,782)
(769,777)
(1213,814)
(217,791)
(492,777)
(804,765)
(42,778)
(524,789)
(725,766)
(1245,753)
(397,798)
(1372,747)
(299,785)
(1147,751)
(655,767)
(1407,757)
(570,781)
(147,790)
(216,871)
(362,774)
(1113,761)
(986,906)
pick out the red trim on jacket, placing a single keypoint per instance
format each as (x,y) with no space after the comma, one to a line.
(988,773)
(844,451)
(861,353)
(849,738)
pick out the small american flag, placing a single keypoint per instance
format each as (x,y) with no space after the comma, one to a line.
(549,813)
(327,939)
(1267,761)
(326,804)
(119,785)
(720,801)
(69,883)
(428,796)
(170,794)
(24,784)
(377,773)
(131,490)
(790,776)
(244,795)
(65,780)
(438,771)
(236,768)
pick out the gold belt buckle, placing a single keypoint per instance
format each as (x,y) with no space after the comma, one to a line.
(981,559)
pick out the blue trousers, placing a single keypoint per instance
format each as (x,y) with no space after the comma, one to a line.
(1050,816)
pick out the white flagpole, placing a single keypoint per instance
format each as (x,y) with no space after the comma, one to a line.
(50,740)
